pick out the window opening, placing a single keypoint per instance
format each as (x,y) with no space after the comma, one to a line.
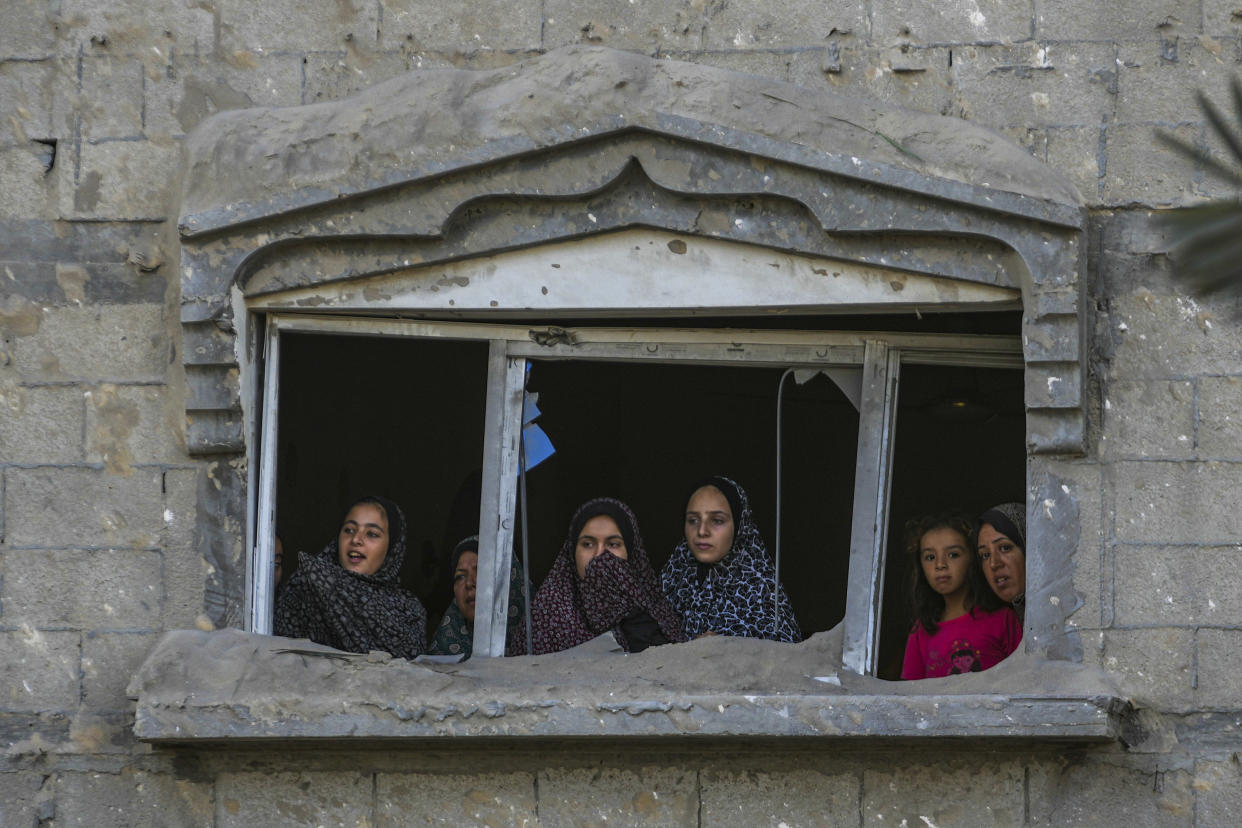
(638,413)
(960,443)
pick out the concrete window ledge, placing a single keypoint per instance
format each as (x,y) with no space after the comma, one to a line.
(226,686)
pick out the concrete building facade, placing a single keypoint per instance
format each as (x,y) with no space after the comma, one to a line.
(188,188)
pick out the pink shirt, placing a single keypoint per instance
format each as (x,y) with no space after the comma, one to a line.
(967,644)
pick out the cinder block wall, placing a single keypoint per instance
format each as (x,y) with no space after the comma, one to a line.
(99,501)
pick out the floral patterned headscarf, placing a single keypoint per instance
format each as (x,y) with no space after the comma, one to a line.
(568,610)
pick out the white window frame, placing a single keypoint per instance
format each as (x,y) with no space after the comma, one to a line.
(878,355)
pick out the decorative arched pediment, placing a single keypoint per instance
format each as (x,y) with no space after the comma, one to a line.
(447,166)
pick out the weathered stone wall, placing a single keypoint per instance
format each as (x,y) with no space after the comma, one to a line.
(103,513)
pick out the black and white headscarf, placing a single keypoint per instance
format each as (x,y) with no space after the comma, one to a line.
(331,605)
(733,596)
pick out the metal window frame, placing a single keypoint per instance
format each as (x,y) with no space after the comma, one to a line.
(510,346)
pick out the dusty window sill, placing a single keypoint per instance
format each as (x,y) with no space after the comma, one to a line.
(202,688)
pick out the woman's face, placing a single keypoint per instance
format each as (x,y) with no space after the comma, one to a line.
(363,541)
(600,534)
(709,525)
(1004,564)
(945,558)
(465,578)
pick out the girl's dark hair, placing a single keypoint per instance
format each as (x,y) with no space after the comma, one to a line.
(927,604)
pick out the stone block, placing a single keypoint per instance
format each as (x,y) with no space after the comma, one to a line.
(1208,182)
(103,98)
(331,77)
(26,190)
(1131,232)
(1149,418)
(754,24)
(137,27)
(946,792)
(485,25)
(1034,141)
(1157,502)
(54,284)
(318,798)
(1127,273)
(1221,18)
(132,799)
(80,243)
(1219,433)
(1035,84)
(28,32)
(33,733)
(21,797)
(675,26)
(916,79)
(185,570)
(978,21)
(49,508)
(133,424)
(1075,153)
(1139,170)
(117,343)
(87,590)
(765,63)
(1071,20)
(109,661)
(192,87)
(246,27)
(793,797)
(1178,585)
(40,425)
(1158,80)
(26,98)
(1219,664)
(1084,791)
(122,180)
(1161,336)
(1153,666)
(455,799)
(1218,791)
(41,670)
(604,796)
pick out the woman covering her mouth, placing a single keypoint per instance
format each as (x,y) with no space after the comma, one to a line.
(349,595)
(600,581)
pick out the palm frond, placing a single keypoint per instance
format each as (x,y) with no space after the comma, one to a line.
(1206,239)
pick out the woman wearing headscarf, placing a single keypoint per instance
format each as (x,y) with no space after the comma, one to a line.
(1002,553)
(719,577)
(348,596)
(602,580)
(455,635)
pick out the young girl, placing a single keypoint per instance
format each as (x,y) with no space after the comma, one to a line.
(954,632)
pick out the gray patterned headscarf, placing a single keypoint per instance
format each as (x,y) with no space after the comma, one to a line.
(331,605)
